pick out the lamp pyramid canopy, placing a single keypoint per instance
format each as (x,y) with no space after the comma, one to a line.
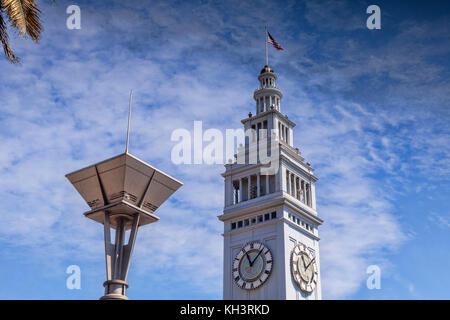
(123,185)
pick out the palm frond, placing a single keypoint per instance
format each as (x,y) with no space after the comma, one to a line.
(24,15)
(5,41)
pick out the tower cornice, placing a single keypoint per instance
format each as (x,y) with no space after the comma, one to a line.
(306,172)
(277,199)
(262,114)
(260,226)
(267,91)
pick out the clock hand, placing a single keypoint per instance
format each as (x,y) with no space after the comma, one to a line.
(304,264)
(310,264)
(251,263)
(248,258)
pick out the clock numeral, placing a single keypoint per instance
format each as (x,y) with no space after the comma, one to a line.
(235,269)
(237,278)
(267,271)
(269,261)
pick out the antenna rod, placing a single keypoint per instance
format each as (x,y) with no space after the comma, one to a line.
(267,53)
(129,118)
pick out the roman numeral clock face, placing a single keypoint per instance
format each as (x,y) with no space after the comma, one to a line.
(252,265)
(304,268)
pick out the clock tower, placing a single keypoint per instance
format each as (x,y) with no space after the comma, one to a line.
(271,240)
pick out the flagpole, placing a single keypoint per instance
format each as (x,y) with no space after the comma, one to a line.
(267,51)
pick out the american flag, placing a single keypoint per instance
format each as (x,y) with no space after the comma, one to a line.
(273,42)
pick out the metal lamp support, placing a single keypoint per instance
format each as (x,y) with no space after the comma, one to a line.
(118,255)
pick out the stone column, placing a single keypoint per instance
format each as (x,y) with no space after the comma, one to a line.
(240,190)
(229,191)
(295,188)
(302,186)
(292,184)
(258,185)
(310,195)
(313,196)
(288,180)
(307,194)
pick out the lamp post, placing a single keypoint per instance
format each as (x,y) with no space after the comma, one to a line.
(123,193)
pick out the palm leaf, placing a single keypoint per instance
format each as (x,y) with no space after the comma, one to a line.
(24,15)
(5,40)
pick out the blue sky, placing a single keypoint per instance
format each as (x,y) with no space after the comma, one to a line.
(372,112)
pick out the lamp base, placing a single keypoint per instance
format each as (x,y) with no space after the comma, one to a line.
(114,297)
(115,290)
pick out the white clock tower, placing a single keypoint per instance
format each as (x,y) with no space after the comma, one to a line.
(271,241)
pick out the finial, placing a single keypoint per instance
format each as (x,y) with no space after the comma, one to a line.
(129,118)
(249,114)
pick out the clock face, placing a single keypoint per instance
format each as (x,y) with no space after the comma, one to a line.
(252,265)
(304,268)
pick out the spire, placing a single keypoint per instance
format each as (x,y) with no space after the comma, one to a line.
(129,119)
(267,96)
